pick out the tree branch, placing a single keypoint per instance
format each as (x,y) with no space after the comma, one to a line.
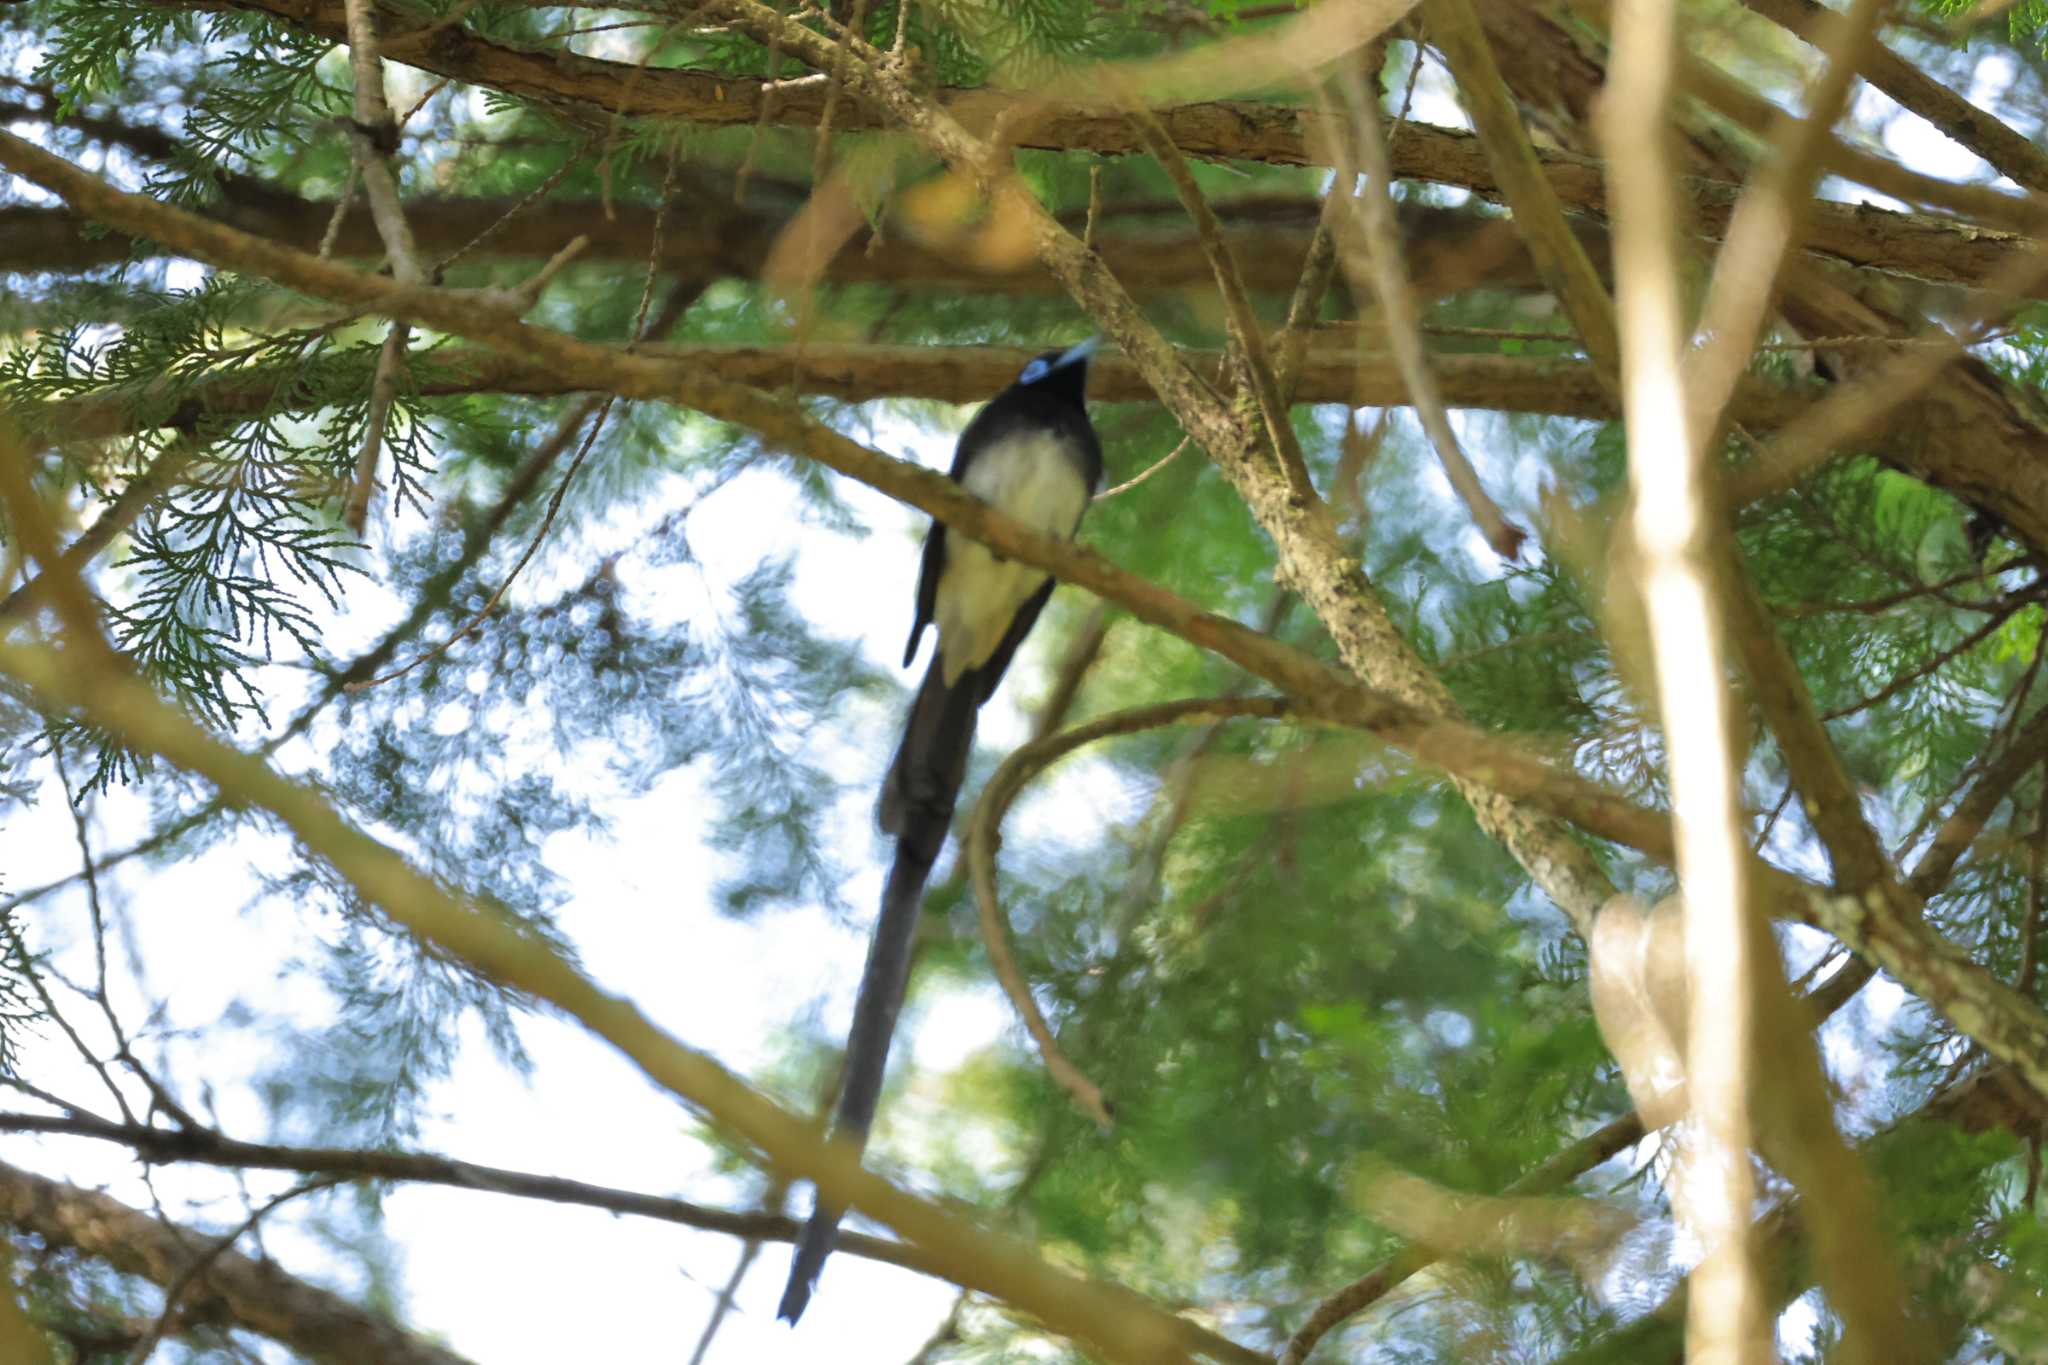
(2007,151)
(247,1292)
(1539,215)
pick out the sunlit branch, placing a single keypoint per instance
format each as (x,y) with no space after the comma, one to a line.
(1714,1184)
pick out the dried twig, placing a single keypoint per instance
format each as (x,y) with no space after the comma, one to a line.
(1128,484)
(1765,226)
(374,137)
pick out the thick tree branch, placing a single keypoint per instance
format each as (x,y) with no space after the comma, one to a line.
(1226,129)
(721,238)
(2005,149)
(232,1288)
(1325,691)
(1118,1324)
(1985,440)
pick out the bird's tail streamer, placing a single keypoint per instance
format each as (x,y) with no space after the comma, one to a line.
(917,806)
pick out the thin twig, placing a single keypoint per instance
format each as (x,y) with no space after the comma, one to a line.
(835,89)
(772,70)
(1094,205)
(567,428)
(619,111)
(94,904)
(1151,469)
(1959,833)
(1766,225)
(1539,215)
(1930,665)
(2037,895)
(175,1290)
(526,201)
(602,406)
(140,494)
(374,137)
(384,385)
(1319,267)
(341,207)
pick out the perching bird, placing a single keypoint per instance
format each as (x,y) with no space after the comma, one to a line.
(1032,453)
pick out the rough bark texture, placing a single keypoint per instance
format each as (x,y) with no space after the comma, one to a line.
(232,1287)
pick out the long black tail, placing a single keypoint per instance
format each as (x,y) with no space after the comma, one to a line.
(917,807)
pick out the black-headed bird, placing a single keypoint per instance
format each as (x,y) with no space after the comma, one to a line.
(1032,453)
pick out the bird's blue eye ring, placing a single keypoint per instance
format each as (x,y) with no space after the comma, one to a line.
(1035,371)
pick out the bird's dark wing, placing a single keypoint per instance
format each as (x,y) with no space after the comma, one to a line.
(929,569)
(989,674)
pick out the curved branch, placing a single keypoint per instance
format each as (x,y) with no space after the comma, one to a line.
(984,839)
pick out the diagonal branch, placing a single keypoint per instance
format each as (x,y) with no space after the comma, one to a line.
(127,507)
(1118,1324)
(374,139)
(1454,27)
(239,1290)
(1914,90)
(1766,225)
(1372,258)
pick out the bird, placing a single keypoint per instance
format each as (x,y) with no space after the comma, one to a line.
(1032,453)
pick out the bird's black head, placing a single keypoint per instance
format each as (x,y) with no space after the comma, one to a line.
(1061,373)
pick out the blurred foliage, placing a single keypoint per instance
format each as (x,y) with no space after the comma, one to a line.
(1281,951)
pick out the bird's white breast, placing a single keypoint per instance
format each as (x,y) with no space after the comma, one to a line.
(1032,478)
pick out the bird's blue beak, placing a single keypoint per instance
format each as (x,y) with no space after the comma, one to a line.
(1077,353)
